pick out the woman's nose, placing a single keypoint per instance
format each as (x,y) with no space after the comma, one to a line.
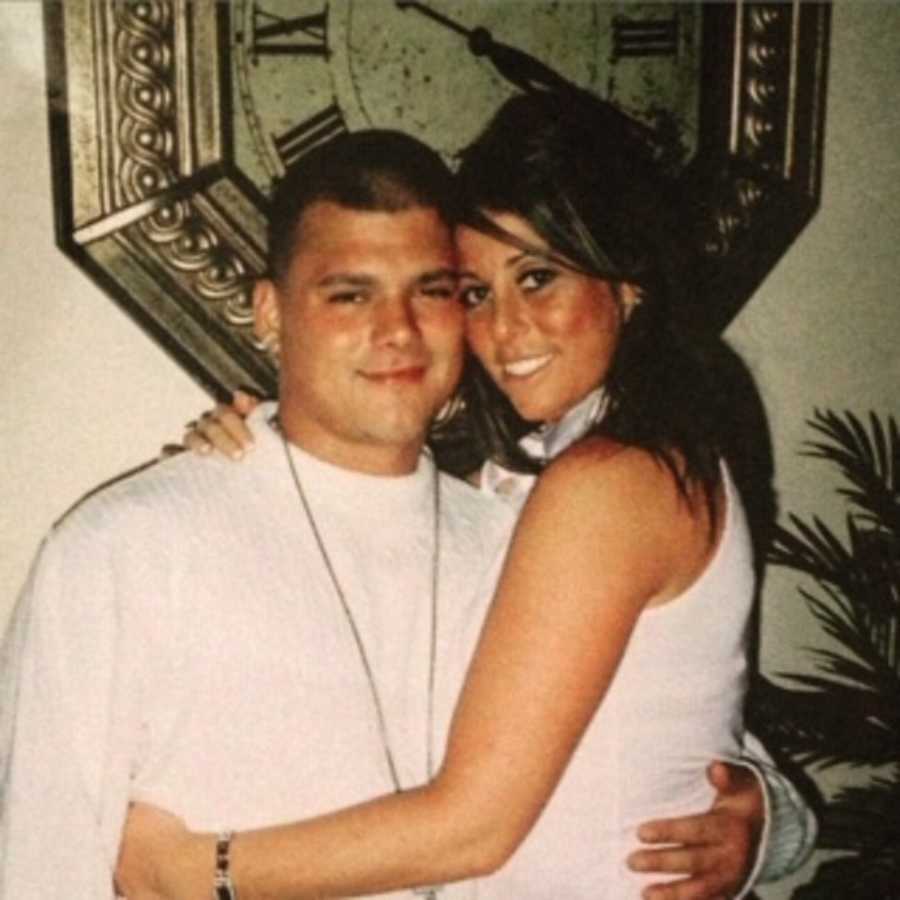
(509,319)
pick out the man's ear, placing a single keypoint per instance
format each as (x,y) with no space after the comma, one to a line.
(630,296)
(267,314)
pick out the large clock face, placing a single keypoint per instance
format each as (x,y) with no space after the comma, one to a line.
(310,69)
(171,119)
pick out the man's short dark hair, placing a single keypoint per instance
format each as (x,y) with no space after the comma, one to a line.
(373,170)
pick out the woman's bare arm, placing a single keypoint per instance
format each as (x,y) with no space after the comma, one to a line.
(574,584)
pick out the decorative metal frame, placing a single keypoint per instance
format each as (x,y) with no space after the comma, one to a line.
(149,202)
(758,169)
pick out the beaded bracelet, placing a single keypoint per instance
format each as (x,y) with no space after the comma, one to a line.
(223,886)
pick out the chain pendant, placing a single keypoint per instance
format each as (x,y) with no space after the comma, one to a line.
(429,892)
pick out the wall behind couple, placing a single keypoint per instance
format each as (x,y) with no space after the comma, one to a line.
(84,394)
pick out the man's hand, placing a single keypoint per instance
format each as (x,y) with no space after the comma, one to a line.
(716,850)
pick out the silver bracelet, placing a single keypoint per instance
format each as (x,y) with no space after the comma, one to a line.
(223,886)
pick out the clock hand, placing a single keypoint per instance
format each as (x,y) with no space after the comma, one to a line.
(516,66)
(433,14)
(530,74)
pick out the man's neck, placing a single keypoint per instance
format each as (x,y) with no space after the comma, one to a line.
(386,460)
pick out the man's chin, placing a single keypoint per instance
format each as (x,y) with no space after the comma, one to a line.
(400,427)
(402,433)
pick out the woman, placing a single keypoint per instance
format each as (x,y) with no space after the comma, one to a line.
(629,580)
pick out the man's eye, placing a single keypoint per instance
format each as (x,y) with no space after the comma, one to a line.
(440,291)
(473,295)
(533,279)
(347,297)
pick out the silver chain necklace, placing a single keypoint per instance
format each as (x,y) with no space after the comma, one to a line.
(431,891)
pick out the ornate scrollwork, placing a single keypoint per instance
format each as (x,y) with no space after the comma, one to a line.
(733,216)
(144,72)
(186,241)
(761,143)
(764,87)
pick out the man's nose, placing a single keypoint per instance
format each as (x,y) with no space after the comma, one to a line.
(395,321)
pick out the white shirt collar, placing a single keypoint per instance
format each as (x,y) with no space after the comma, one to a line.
(546,442)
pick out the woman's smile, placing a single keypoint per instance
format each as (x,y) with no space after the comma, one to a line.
(526,366)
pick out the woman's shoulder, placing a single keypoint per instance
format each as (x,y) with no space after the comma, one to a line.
(601,473)
(600,463)
(630,501)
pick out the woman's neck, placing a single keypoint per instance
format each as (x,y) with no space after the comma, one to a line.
(554,437)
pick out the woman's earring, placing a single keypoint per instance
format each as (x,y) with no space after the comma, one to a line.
(632,303)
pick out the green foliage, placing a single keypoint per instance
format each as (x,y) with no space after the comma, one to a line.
(847,712)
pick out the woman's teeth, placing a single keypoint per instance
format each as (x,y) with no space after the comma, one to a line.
(523,367)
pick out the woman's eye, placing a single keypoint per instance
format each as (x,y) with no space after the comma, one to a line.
(473,295)
(533,279)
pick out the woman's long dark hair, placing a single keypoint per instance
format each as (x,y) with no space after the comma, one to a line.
(589,182)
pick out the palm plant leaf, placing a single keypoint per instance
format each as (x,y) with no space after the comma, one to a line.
(825,726)
(864,876)
(814,549)
(869,461)
(866,569)
(862,634)
(847,710)
(863,819)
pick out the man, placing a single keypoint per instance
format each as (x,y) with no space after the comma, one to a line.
(243,645)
